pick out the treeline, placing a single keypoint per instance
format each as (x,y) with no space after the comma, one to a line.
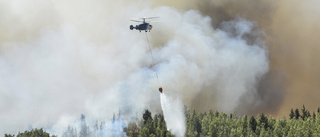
(219,124)
(215,124)
(113,128)
(208,124)
(148,126)
(32,133)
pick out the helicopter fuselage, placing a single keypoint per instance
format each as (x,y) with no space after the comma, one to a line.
(142,27)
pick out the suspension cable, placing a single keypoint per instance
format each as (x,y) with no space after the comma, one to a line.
(153,63)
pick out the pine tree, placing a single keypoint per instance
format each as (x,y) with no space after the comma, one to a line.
(155,121)
(308,114)
(297,114)
(146,116)
(304,112)
(169,134)
(205,125)
(34,133)
(193,125)
(263,120)
(186,111)
(217,113)
(277,129)
(144,132)
(245,123)
(114,117)
(70,132)
(291,115)
(210,112)
(84,129)
(253,124)
(132,130)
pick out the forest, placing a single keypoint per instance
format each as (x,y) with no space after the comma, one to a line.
(300,123)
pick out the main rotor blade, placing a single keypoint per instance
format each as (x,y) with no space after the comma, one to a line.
(149,17)
(136,20)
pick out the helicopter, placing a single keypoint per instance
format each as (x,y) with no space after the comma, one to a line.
(145,26)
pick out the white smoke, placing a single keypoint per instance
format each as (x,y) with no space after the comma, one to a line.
(113,128)
(59,59)
(173,114)
(85,127)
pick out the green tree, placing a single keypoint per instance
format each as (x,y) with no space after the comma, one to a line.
(205,125)
(146,116)
(253,124)
(144,132)
(169,134)
(304,112)
(149,125)
(263,133)
(291,115)
(245,124)
(297,114)
(217,113)
(193,125)
(155,121)
(263,120)
(34,133)
(308,114)
(132,130)
(277,129)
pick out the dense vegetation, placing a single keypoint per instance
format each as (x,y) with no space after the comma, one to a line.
(32,133)
(300,123)
(216,124)
(148,127)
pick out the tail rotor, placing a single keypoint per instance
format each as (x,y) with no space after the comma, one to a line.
(131,27)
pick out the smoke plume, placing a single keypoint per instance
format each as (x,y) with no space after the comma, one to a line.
(291,30)
(59,59)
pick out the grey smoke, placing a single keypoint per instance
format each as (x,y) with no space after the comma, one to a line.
(80,57)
